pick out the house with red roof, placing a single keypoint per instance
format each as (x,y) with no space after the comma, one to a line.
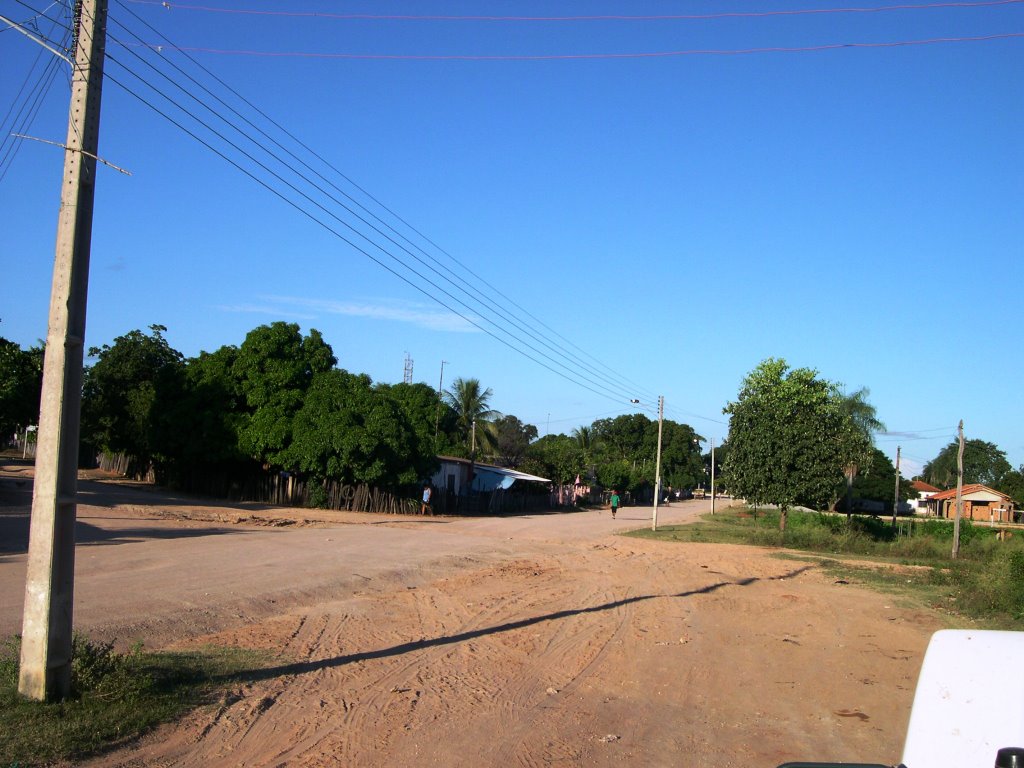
(981,503)
(924,491)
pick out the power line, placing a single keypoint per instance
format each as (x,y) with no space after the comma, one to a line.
(314,217)
(576,18)
(505,316)
(29,107)
(597,56)
(357,232)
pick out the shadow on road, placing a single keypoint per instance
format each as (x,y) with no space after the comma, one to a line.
(14,534)
(304,667)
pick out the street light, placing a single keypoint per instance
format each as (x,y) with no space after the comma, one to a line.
(657,462)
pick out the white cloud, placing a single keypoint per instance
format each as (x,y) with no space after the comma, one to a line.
(422,315)
(259,309)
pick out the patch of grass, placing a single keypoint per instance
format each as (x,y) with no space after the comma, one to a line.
(985,583)
(115,697)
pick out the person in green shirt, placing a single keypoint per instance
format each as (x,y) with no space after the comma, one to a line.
(615,502)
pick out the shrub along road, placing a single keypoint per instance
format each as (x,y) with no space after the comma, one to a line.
(534,640)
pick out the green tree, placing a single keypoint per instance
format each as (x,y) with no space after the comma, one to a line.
(556,457)
(721,457)
(274,368)
(129,396)
(681,462)
(983,463)
(858,438)
(586,439)
(1012,485)
(346,430)
(21,382)
(426,412)
(786,438)
(627,437)
(877,482)
(212,413)
(511,439)
(471,403)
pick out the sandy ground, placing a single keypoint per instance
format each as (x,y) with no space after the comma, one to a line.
(540,640)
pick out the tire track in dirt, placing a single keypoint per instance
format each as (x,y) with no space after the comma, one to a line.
(627,652)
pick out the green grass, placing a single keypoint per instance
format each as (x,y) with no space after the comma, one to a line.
(984,584)
(115,697)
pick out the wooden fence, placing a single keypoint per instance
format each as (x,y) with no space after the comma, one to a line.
(252,483)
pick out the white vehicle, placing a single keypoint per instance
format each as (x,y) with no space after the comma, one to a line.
(968,708)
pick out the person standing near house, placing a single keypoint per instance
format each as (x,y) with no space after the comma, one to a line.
(615,502)
(425,507)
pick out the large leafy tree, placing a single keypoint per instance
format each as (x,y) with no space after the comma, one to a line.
(628,437)
(787,430)
(877,481)
(556,457)
(511,439)
(471,403)
(1012,485)
(21,381)
(274,368)
(681,462)
(346,430)
(983,463)
(432,419)
(129,397)
(213,411)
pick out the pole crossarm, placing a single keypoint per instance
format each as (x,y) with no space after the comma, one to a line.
(73,149)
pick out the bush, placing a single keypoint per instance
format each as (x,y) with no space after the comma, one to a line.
(97,671)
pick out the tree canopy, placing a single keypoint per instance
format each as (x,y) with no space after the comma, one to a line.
(789,437)
(471,404)
(983,463)
(21,381)
(128,396)
(877,482)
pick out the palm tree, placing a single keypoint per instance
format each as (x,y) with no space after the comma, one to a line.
(862,417)
(585,438)
(471,404)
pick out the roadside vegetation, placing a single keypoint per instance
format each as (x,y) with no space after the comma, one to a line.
(115,698)
(984,584)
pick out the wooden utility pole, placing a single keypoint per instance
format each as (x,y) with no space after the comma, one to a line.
(959,490)
(712,475)
(49,585)
(896,493)
(657,465)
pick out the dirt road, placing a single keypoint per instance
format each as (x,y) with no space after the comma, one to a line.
(544,640)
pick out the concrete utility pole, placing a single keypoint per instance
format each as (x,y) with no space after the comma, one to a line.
(49,586)
(657,465)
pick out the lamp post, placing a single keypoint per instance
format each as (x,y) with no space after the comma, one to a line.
(657,465)
(712,475)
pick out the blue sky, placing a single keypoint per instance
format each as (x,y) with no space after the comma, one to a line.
(658,223)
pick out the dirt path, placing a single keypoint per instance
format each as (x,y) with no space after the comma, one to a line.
(531,641)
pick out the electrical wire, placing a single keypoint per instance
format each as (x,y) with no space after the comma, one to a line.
(601,367)
(23,112)
(116,81)
(359,233)
(576,18)
(600,56)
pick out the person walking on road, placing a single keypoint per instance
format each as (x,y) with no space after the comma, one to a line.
(615,502)
(425,506)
